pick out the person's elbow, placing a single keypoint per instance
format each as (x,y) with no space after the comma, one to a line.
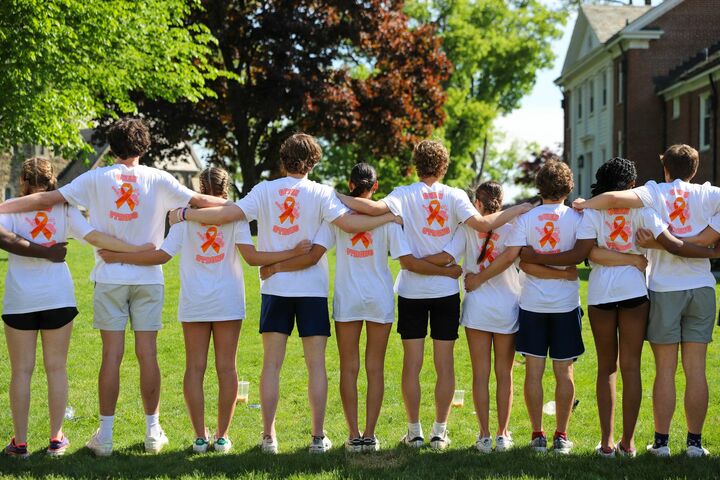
(673,248)
(407,263)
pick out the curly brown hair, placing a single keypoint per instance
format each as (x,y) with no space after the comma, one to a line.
(214,181)
(681,161)
(128,138)
(37,174)
(490,196)
(300,153)
(554,180)
(431,159)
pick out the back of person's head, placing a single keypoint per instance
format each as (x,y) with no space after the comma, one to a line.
(681,162)
(300,153)
(490,196)
(363,177)
(214,181)
(129,138)
(613,175)
(37,175)
(431,159)
(554,180)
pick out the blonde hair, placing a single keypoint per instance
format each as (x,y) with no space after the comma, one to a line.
(37,173)
(214,181)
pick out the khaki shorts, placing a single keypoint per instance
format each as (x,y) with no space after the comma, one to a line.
(115,304)
(682,316)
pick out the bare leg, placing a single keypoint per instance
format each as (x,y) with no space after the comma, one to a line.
(113,349)
(604,325)
(55,351)
(564,392)
(348,340)
(696,387)
(21,346)
(534,369)
(504,359)
(412,365)
(197,344)
(633,324)
(146,352)
(225,339)
(664,387)
(314,349)
(480,344)
(273,355)
(445,382)
(377,340)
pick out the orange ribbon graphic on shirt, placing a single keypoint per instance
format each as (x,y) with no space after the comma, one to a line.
(548,230)
(126,196)
(211,240)
(619,229)
(288,212)
(679,212)
(363,237)
(488,253)
(41,226)
(434,208)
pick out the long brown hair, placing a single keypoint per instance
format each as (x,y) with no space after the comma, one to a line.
(214,181)
(37,173)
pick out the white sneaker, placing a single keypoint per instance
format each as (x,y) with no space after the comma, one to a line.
(440,442)
(354,445)
(483,444)
(100,449)
(602,453)
(539,444)
(222,444)
(621,452)
(660,451)
(200,445)
(412,442)
(562,446)
(370,444)
(320,444)
(154,444)
(269,444)
(504,443)
(693,452)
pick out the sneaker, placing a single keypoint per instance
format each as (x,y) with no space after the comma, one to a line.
(269,444)
(320,444)
(17,450)
(370,444)
(693,451)
(539,444)
(222,445)
(484,444)
(620,451)
(58,446)
(200,445)
(663,451)
(503,443)
(154,444)
(562,446)
(413,442)
(354,445)
(100,449)
(440,442)
(602,453)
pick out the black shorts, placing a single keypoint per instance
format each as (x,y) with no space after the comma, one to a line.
(42,320)
(278,314)
(559,334)
(625,304)
(444,315)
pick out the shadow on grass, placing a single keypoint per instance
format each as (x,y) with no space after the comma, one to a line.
(391,463)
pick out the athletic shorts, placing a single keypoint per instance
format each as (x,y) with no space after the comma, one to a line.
(116,304)
(444,313)
(623,304)
(43,320)
(556,334)
(278,314)
(682,316)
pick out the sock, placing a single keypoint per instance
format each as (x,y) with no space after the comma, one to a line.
(563,435)
(438,429)
(415,430)
(661,440)
(538,434)
(694,440)
(152,424)
(106,428)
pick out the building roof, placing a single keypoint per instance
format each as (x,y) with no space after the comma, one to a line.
(700,63)
(607,20)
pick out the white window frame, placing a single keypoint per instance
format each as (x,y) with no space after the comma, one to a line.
(705,114)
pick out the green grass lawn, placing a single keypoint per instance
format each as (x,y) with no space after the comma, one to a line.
(293,422)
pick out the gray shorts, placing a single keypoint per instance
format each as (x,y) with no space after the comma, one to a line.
(682,316)
(115,304)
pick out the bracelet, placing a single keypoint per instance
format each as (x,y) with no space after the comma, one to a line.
(184,214)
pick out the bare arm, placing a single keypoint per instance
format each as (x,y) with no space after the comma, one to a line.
(293,264)
(549,273)
(259,259)
(568,258)
(441,259)
(677,246)
(148,257)
(604,201)
(365,206)
(362,223)
(108,242)
(611,258)
(423,267)
(19,246)
(705,238)
(35,201)
(210,216)
(200,200)
(491,222)
(496,267)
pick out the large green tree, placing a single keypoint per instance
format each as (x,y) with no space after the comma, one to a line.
(64,63)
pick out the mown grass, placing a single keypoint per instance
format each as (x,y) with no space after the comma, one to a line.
(460,461)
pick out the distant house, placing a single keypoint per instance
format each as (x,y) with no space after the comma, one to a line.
(637,79)
(11,162)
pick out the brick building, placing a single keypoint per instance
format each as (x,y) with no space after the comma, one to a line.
(637,79)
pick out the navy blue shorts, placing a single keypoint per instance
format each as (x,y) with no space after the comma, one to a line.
(278,314)
(559,334)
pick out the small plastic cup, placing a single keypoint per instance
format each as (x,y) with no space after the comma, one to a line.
(243,389)
(458,399)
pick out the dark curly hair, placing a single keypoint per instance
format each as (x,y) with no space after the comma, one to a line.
(490,195)
(363,176)
(615,174)
(554,180)
(128,138)
(681,161)
(300,153)
(431,159)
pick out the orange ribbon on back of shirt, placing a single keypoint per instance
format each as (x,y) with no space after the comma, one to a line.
(289,206)
(679,212)
(548,229)
(126,193)
(210,240)
(434,208)
(619,229)
(361,237)
(41,221)
(488,253)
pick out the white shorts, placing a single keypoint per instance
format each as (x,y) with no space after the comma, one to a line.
(114,305)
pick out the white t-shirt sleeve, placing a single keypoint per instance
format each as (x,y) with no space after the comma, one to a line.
(711,200)
(715,223)
(463,206)
(250,203)
(325,236)
(242,234)
(331,207)
(397,242)
(647,193)
(77,192)
(394,202)
(653,222)
(456,245)
(78,227)
(6,222)
(586,229)
(177,195)
(173,242)
(518,235)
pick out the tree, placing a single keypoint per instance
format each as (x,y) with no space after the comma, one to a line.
(527,170)
(68,62)
(351,72)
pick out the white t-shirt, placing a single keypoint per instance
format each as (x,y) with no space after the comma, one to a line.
(363,281)
(211,275)
(686,208)
(430,214)
(615,229)
(36,284)
(289,210)
(549,228)
(493,306)
(130,204)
